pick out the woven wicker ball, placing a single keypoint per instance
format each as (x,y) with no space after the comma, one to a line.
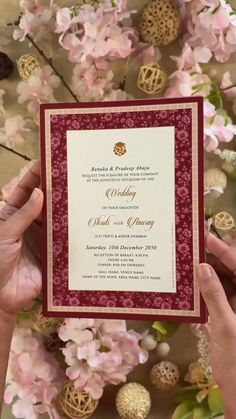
(164,375)
(151,79)
(159,22)
(26,65)
(214,178)
(45,325)
(133,401)
(76,404)
(223,221)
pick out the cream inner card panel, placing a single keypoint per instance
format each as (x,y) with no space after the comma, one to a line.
(121,209)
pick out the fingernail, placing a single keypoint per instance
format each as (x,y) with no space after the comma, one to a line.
(35,194)
(204,271)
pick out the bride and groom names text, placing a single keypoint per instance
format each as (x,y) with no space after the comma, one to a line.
(130,193)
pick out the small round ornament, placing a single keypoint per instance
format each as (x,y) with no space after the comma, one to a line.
(26,65)
(151,79)
(76,404)
(6,66)
(215,181)
(149,343)
(159,22)
(223,221)
(164,375)
(45,325)
(163,349)
(133,401)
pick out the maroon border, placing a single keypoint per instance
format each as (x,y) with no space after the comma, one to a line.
(72,106)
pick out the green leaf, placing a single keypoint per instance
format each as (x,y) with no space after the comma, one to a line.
(188,396)
(215,99)
(159,327)
(171,328)
(165,329)
(184,411)
(202,412)
(215,401)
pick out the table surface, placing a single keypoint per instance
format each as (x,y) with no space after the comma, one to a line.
(183,344)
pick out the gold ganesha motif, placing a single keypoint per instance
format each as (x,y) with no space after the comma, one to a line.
(119,149)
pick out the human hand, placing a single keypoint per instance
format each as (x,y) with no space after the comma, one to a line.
(220,298)
(20,273)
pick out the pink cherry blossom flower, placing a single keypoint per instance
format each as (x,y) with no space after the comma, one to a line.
(100,33)
(211,25)
(217,129)
(38,88)
(226,84)
(37,19)
(188,83)
(34,378)
(147,54)
(91,84)
(107,354)
(191,57)
(14,131)
(209,109)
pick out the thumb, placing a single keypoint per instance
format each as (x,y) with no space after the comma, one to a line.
(15,225)
(214,296)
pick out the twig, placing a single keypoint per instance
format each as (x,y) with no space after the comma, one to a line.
(23,156)
(229,87)
(15,23)
(49,61)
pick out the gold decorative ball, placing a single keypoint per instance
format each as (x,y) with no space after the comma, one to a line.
(76,404)
(159,22)
(214,178)
(45,325)
(26,65)
(133,401)
(164,375)
(151,79)
(223,221)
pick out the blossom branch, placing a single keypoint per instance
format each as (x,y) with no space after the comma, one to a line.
(229,87)
(23,156)
(49,61)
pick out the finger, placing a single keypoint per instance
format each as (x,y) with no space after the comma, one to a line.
(228,285)
(214,296)
(232,301)
(25,187)
(230,239)
(16,224)
(225,253)
(218,266)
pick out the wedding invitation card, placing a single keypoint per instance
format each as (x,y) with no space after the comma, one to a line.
(123,217)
